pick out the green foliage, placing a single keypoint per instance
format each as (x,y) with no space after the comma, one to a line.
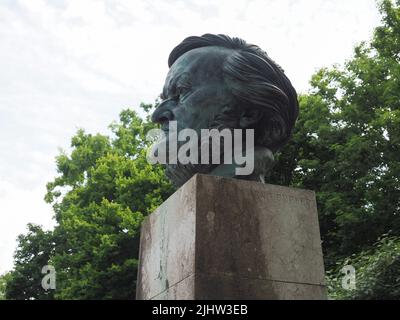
(104,189)
(3,282)
(110,188)
(377,273)
(33,253)
(346,145)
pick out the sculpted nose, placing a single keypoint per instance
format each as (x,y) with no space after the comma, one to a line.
(163,113)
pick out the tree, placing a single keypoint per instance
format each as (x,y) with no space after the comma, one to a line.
(110,189)
(104,190)
(376,273)
(346,145)
(3,282)
(33,253)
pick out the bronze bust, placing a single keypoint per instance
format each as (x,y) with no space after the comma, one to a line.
(218,82)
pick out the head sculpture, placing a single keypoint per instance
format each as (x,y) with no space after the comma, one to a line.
(218,82)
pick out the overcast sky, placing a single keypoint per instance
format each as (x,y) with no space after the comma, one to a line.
(75,64)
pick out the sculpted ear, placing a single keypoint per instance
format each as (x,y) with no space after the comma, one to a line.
(250,117)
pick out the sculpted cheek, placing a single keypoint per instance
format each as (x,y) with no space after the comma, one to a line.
(203,98)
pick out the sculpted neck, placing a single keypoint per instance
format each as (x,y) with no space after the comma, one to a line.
(263,162)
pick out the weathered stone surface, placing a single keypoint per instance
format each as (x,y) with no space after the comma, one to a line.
(231,287)
(220,238)
(167,243)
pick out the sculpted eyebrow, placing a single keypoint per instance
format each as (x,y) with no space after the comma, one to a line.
(182,80)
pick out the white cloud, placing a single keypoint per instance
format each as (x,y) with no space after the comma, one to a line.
(69,64)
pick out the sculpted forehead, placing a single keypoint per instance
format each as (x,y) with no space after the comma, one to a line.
(202,64)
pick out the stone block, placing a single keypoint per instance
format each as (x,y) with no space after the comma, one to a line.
(221,238)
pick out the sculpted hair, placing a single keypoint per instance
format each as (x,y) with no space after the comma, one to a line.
(257,82)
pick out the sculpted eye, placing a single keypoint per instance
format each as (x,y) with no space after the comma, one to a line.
(182,92)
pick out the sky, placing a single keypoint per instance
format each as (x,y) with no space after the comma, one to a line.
(69,64)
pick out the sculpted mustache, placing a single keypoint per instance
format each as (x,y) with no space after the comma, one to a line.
(180,173)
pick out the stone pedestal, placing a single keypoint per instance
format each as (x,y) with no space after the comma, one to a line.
(219,238)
